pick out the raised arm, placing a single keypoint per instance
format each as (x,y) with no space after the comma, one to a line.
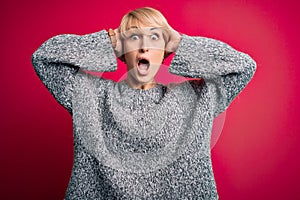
(224,69)
(58,60)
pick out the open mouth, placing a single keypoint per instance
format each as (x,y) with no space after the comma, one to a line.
(143,66)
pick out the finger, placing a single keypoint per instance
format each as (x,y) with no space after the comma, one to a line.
(113,38)
(118,47)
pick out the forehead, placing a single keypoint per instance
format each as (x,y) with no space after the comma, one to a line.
(142,30)
(141,22)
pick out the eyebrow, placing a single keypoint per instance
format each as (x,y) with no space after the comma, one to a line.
(153,28)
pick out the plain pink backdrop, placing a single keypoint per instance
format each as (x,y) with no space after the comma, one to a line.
(256,156)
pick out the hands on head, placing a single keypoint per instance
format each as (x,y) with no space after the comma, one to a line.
(172,40)
(115,38)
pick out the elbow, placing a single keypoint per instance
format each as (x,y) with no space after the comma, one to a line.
(252,65)
(35,60)
(250,69)
(249,65)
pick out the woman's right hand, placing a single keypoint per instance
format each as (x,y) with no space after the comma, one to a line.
(116,42)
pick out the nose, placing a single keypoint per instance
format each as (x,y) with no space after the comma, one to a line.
(143,50)
(144,46)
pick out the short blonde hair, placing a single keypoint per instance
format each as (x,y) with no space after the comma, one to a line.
(145,16)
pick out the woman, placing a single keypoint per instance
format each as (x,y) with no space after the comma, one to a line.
(138,139)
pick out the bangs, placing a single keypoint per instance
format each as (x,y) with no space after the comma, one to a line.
(133,22)
(146,17)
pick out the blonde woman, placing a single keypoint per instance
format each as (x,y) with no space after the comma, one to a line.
(139,139)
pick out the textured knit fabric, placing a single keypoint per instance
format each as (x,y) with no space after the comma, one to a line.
(142,144)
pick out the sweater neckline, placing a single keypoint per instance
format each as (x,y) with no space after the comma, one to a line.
(124,87)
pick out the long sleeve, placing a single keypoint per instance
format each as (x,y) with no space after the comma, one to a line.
(224,69)
(59,59)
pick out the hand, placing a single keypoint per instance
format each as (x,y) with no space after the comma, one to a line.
(173,43)
(116,42)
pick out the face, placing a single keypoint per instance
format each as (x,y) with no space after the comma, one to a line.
(144,53)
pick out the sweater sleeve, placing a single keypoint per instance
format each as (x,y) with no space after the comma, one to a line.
(59,59)
(225,70)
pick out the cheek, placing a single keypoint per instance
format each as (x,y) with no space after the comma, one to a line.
(157,56)
(130,58)
(130,47)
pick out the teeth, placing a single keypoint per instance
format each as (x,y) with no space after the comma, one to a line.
(143,66)
(143,63)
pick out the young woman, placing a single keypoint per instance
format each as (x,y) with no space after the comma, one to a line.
(138,139)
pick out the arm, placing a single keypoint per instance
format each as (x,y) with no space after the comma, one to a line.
(228,71)
(59,59)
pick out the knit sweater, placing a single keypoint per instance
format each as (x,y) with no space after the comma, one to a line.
(141,144)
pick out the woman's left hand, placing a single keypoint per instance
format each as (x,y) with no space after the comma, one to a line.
(173,43)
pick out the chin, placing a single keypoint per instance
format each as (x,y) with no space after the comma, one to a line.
(144,79)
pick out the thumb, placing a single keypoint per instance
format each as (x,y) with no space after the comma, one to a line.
(112,36)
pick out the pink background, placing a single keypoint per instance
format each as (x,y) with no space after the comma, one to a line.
(257,155)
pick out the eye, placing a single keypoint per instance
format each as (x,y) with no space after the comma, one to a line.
(134,37)
(154,37)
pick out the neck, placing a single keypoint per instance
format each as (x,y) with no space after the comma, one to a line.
(142,86)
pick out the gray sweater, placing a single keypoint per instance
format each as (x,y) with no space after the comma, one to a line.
(141,144)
